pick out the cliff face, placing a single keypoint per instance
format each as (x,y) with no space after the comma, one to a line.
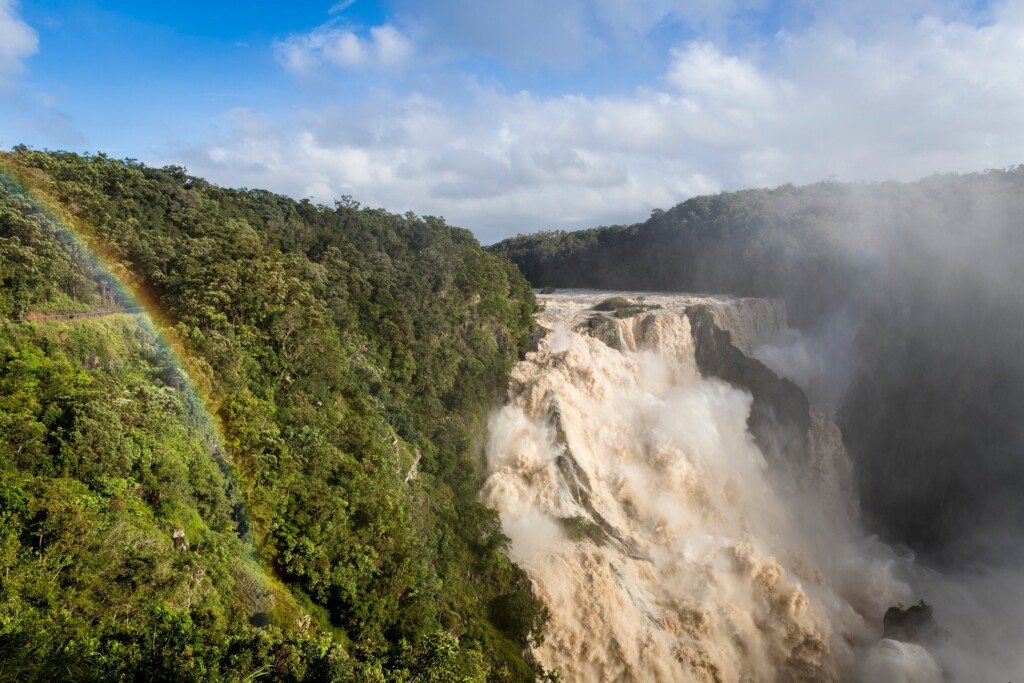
(934,420)
(780,416)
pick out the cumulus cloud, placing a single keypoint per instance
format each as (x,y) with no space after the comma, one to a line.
(18,41)
(935,95)
(509,161)
(384,48)
(701,69)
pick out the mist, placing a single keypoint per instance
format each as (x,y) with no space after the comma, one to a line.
(905,330)
(922,358)
(916,341)
(906,319)
(666,543)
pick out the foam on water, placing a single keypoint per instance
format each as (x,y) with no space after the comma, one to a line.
(651,524)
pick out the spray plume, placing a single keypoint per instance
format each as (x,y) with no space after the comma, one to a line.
(665,545)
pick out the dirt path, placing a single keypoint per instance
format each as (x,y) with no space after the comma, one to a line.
(33,317)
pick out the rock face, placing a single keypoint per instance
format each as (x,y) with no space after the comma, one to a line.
(780,417)
(536,336)
(933,421)
(915,624)
(604,328)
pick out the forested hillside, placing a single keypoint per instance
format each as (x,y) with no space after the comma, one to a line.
(750,243)
(349,357)
(909,299)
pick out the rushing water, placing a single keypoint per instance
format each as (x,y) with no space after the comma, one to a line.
(662,542)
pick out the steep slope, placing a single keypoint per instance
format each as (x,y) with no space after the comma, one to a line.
(123,535)
(349,357)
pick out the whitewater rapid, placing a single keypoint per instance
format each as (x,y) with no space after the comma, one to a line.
(653,528)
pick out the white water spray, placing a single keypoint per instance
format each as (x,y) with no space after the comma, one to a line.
(652,527)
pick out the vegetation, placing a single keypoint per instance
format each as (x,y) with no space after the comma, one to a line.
(349,357)
(732,243)
(580,528)
(621,307)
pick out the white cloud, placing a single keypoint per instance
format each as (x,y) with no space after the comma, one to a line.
(922,96)
(344,49)
(339,7)
(385,48)
(391,48)
(701,69)
(18,41)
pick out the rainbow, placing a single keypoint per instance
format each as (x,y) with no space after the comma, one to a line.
(129,293)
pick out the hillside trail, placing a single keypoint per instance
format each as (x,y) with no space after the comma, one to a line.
(36,317)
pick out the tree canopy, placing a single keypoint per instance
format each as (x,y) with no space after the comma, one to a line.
(350,356)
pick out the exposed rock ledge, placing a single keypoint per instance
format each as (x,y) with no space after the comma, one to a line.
(780,417)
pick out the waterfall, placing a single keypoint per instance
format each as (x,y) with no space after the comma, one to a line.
(664,544)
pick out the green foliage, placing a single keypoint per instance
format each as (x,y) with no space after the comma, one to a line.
(579,528)
(622,307)
(102,465)
(351,356)
(749,243)
(700,314)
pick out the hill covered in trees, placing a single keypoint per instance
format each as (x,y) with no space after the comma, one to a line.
(908,298)
(349,357)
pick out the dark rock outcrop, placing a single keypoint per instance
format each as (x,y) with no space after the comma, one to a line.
(915,624)
(603,328)
(537,335)
(780,417)
(932,420)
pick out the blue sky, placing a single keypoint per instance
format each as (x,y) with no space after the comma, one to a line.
(515,116)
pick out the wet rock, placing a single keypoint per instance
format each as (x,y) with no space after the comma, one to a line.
(603,328)
(578,484)
(180,542)
(780,417)
(915,624)
(537,334)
